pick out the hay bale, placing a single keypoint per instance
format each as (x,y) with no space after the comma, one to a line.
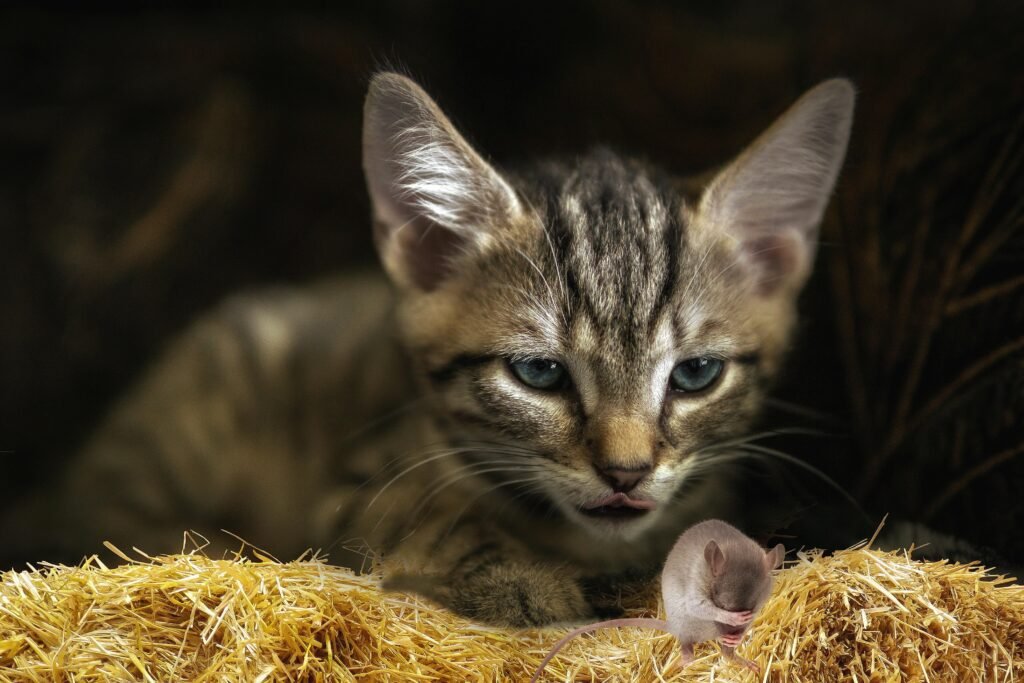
(858,615)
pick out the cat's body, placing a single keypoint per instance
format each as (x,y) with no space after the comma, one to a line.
(246,423)
(540,402)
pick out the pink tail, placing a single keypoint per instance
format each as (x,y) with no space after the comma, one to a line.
(658,624)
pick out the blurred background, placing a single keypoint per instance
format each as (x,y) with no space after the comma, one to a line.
(153,161)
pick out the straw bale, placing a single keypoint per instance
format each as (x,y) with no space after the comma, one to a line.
(859,615)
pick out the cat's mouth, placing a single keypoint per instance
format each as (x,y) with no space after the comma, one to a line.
(619,506)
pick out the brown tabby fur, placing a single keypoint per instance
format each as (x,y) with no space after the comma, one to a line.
(361,416)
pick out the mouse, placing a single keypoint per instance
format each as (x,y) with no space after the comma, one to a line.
(714,582)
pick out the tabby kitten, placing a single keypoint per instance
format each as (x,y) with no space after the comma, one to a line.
(535,403)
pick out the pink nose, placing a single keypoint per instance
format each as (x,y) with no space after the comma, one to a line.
(623,480)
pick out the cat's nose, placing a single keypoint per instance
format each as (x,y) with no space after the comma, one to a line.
(624,480)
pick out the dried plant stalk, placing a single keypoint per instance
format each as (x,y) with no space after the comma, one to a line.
(857,615)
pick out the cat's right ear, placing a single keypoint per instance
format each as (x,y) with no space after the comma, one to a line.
(434,198)
(770,200)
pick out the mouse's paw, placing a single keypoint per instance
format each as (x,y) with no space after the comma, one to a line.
(750,664)
(685,658)
(730,653)
(731,639)
(737,618)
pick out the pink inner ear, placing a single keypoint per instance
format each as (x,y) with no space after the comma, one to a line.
(775,258)
(773,558)
(715,558)
(428,249)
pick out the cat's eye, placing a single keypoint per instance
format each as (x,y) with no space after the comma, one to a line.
(540,373)
(695,374)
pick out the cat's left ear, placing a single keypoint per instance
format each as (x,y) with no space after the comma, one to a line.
(434,198)
(771,199)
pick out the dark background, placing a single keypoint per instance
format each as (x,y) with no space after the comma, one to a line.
(153,161)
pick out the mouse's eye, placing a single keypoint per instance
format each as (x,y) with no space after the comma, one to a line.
(695,374)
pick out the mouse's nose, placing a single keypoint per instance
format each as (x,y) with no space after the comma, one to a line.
(623,480)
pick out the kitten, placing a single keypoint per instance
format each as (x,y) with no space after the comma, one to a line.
(559,358)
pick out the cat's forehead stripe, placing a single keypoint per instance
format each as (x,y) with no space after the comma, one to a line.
(620,240)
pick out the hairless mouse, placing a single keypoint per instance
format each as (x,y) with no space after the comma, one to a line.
(714,581)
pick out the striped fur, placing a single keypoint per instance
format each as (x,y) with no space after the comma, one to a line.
(361,418)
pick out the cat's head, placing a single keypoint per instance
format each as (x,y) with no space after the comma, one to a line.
(584,329)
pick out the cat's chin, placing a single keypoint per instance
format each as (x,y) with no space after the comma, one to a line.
(616,523)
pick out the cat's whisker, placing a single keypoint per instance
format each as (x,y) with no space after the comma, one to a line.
(491,461)
(425,461)
(435,488)
(566,304)
(530,485)
(714,280)
(487,491)
(389,465)
(710,283)
(463,510)
(697,271)
(757,436)
(499,447)
(386,417)
(757,450)
(801,410)
(528,489)
(467,473)
(566,309)
(453,478)
(484,449)
(552,299)
(709,462)
(539,308)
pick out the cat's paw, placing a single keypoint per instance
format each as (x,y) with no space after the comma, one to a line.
(606,592)
(518,596)
(749,664)
(521,596)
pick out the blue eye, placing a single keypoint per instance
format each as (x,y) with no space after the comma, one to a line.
(540,373)
(695,374)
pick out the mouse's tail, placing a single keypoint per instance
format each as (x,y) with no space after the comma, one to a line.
(641,622)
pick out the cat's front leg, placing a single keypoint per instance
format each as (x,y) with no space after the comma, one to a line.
(513,594)
(495,580)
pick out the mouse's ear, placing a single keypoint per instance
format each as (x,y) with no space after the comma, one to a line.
(715,558)
(773,558)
